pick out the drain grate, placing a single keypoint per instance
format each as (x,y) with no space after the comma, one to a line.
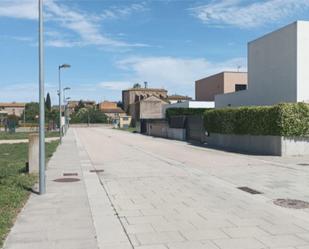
(303,164)
(250,190)
(67,180)
(290,203)
(70,174)
(97,170)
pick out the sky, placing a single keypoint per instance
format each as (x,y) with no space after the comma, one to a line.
(113,44)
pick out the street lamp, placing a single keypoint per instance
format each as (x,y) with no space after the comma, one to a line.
(65,89)
(63,66)
(42,182)
(65,105)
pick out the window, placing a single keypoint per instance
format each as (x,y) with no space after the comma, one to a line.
(125,118)
(240,87)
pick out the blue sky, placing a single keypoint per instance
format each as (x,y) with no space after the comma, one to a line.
(113,44)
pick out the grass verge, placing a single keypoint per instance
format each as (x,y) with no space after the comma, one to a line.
(15,183)
(24,135)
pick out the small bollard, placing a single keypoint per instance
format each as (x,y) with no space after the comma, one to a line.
(33,153)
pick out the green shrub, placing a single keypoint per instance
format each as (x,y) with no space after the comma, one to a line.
(184,111)
(288,119)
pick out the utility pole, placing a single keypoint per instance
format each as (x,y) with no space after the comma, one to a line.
(42,182)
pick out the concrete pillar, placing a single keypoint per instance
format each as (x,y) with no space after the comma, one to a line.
(33,153)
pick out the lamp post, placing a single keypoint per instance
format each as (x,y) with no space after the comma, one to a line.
(42,182)
(60,97)
(65,108)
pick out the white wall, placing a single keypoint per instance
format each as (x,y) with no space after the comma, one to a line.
(303,62)
(277,69)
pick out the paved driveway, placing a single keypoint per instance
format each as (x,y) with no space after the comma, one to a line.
(169,194)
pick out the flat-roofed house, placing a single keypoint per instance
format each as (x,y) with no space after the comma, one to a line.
(225,82)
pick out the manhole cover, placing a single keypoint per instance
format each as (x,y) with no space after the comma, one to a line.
(289,203)
(97,170)
(250,190)
(303,164)
(67,180)
(70,174)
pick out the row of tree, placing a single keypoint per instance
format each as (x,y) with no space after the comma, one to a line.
(80,114)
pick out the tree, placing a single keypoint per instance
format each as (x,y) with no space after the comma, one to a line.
(32,112)
(137,85)
(48,102)
(90,114)
(120,104)
(79,106)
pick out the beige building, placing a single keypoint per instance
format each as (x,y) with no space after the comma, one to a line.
(134,95)
(134,105)
(13,108)
(125,122)
(226,82)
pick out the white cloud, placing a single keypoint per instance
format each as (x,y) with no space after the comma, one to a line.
(25,9)
(246,14)
(84,25)
(115,85)
(172,72)
(118,12)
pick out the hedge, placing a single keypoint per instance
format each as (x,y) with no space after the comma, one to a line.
(288,119)
(184,111)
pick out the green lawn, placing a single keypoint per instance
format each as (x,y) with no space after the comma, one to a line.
(15,184)
(23,135)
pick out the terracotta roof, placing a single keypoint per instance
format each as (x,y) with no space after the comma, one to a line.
(13,104)
(112,110)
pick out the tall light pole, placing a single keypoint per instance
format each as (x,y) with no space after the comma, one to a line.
(65,109)
(60,97)
(42,182)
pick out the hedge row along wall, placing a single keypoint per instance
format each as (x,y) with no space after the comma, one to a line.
(184,112)
(279,120)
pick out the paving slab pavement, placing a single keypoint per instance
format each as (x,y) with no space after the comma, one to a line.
(173,195)
(162,194)
(17,141)
(74,215)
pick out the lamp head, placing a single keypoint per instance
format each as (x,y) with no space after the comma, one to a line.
(64,66)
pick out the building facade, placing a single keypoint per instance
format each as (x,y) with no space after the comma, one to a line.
(133,101)
(225,82)
(277,69)
(133,95)
(13,108)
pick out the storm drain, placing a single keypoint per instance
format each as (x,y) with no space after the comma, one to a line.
(67,180)
(303,164)
(70,174)
(290,203)
(97,170)
(250,190)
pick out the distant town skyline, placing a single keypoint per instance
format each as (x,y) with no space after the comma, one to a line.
(113,44)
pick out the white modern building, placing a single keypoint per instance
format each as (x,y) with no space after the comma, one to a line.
(278,69)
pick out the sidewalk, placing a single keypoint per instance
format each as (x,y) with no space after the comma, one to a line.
(17,141)
(63,217)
